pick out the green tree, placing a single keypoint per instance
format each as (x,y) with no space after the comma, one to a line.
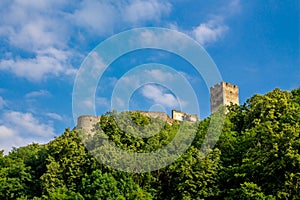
(15,178)
(263,148)
(67,163)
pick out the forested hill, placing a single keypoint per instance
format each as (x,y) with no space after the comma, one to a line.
(256,157)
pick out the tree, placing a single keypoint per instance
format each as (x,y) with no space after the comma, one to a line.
(15,178)
(265,148)
(67,163)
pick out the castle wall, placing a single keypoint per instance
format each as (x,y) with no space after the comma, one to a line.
(87,123)
(216,97)
(223,94)
(160,115)
(177,115)
(192,118)
(220,94)
(182,116)
(231,94)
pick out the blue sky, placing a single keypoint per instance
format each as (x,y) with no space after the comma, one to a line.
(255,45)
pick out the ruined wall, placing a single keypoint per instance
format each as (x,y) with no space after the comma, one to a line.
(220,94)
(182,116)
(177,115)
(159,115)
(191,118)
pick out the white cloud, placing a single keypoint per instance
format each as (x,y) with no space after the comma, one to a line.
(88,103)
(102,102)
(152,38)
(97,17)
(159,96)
(37,94)
(138,11)
(19,129)
(41,30)
(133,80)
(33,25)
(6,133)
(2,102)
(159,75)
(192,78)
(120,102)
(173,26)
(27,123)
(155,75)
(51,32)
(36,31)
(54,116)
(214,29)
(234,6)
(95,63)
(102,17)
(209,32)
(48,62)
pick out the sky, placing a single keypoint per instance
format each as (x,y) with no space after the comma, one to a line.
(254,44)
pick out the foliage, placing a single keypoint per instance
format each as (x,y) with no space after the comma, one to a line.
(255,157)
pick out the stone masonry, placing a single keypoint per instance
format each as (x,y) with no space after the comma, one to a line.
(223,94)
(87,123)
(220,94)
(182,116)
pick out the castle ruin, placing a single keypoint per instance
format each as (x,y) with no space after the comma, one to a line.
(223,94)
(182,116)
(159,115)
(220,94)
(88,122)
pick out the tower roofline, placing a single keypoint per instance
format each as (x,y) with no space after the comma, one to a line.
(225,83)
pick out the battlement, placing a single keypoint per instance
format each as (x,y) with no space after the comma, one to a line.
(223,94)
(88,122)
(224,84)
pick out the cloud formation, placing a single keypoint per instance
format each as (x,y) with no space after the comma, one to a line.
(54,116)
(159,96)
(2,102)
(52,32)
(209,32)
(39,93)
(19,129)
(139,11)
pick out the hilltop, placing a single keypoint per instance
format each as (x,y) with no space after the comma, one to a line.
(256,157)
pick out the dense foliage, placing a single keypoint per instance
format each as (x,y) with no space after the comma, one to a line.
(256,157)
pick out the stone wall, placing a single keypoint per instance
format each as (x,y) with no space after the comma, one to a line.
(223,94)
(220,94)
(87,123)
(182,116)
(160,115)
(231,94)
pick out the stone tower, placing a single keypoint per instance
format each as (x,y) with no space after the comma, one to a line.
(223,94)
(87,123)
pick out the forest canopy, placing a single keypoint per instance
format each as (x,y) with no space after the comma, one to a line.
(255,157)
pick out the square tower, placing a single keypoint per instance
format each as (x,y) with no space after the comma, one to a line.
(223,94)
